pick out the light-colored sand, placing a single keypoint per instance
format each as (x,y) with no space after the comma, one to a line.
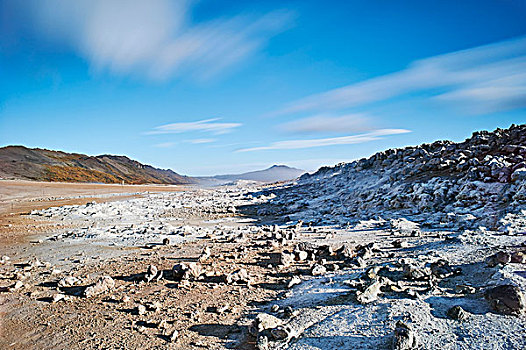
(19,197)
(16,195)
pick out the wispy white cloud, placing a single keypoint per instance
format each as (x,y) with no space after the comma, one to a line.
(193,141)
(484,79)
(153,38)
(343,140)
(165,145)
(327,123)
(200,141)
(207,125)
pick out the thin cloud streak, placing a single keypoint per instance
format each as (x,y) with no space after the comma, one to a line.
(481,80)
(201,141)
(207,125)
(343,140)
(165,145)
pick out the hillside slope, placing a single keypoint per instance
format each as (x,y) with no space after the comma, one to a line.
(478,182)
(18,162)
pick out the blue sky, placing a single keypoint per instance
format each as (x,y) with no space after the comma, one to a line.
(207,87)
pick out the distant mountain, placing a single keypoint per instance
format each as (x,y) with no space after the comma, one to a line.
(275,173)
(18,162)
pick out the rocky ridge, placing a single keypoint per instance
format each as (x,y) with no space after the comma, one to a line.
(478,182)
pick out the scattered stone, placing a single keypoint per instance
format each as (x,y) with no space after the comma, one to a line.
(501,258)
(346,252)
(188,271)
(356,262)
(318,270)
(465,289)
(301,255)
(286,258)
(58,297)
(281,333)
(298,225)
(403,226)
(400,244)
(365,253)
(404,338)
(205,255)
(222,309)
(140,309)
(163,324)
(240,276)
(370,294)
(457,313)
(262,343)
(263,322)
(173,337)
(179,271)
(154,306)
(152,274)
(506,299)
(518,258)
(293,281)
(289,311)
(442,269)
(17,285)
(333,267)
(103,285)
(325,251)
(415,273)
(372,273)
(68,281)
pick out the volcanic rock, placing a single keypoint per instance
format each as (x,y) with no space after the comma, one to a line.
(404,338)
(457,313)
(506,299)
(502,258)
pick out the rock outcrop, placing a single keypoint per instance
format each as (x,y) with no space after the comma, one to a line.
(443,184)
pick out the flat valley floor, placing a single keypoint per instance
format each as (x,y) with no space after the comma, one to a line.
(58,239)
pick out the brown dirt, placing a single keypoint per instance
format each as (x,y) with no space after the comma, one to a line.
(19,197)
(29,320)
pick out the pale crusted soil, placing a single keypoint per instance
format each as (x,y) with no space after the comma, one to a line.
(19,197)
(30,320)
(328,314)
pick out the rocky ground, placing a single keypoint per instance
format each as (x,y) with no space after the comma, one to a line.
(297,266)
(186,270)
(443,184)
